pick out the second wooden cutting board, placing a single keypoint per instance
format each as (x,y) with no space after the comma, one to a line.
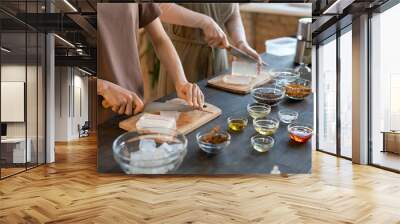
(186,123)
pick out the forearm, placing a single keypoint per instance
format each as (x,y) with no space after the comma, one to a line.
(235,28)
(166,52)
(178,15)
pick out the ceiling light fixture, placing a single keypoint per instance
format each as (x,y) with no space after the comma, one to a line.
(70,5)
(5,50)
(337,7)
(84,71)
(65,41)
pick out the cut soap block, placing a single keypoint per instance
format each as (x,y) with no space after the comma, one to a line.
(155,123)
(186,122)
(237,79)
(243,68)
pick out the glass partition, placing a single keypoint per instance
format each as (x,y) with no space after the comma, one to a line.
(14,153)
(326,101)
(22,98)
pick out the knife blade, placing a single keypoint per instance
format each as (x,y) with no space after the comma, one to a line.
(234,51)
(157,107)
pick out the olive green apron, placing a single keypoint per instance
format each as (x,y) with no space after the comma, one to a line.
(198,59)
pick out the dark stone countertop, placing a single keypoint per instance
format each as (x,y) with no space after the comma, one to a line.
(239,157)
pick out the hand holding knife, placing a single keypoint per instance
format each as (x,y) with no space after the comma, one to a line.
(234,51)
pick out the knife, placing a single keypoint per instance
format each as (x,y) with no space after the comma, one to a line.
(157,107)
(242,55)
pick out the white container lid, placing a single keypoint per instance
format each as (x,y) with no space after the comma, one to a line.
(282,46)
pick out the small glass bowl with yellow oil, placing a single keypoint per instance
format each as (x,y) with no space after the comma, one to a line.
(262,143)
(257,110)
(266,126)
(236,124)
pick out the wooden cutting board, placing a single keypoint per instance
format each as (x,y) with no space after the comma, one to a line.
(186,123)
(218,83)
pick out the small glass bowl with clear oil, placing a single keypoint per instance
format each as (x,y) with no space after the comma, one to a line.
(257,110)
(262,143)
(236,124)
(266,126)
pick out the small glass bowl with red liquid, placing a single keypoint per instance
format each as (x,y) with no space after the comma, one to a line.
(299,132)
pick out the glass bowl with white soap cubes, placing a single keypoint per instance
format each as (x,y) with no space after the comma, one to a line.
(157,151)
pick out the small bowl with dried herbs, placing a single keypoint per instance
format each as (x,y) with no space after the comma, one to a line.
(214,141)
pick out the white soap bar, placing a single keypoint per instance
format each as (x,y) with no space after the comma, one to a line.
(172,114)
(237,79)
(244,68)
(155,123)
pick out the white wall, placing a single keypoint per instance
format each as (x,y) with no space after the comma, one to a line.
(71,102)
(14,73)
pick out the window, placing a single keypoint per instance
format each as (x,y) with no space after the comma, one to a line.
(326,88)
(346,93)
(385,89)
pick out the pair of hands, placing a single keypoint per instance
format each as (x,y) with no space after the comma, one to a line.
(123,101)
(215,37)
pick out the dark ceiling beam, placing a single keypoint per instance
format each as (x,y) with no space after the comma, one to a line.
(49,22)
(16,19)
(84,24)
(11,25)
(91,5)
(78,61)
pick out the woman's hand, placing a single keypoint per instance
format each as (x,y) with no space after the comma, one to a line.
(121,101)
(244,46)
(213,34)
(191,93)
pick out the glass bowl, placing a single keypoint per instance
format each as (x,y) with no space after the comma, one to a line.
(288,116)
(299,132)
(151,152)
(282,76)
(271,94)
(262,143)
(266,126)
(236,124)
(299,89)
(257,110)
(212,148)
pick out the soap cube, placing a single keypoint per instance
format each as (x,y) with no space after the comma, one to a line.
(171,114)
(147,145)
(155,123)
(244,68)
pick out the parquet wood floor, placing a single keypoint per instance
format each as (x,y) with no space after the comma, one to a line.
(71,191)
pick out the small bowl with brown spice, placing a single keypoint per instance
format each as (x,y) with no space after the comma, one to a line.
(214,141)
(299,89)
